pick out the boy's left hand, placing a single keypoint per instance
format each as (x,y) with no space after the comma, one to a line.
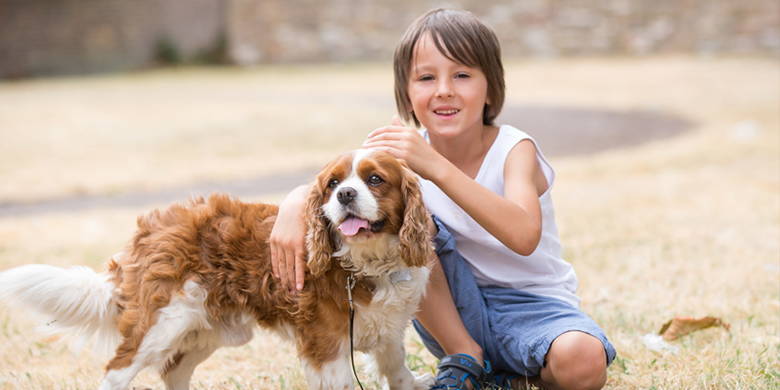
(406,144)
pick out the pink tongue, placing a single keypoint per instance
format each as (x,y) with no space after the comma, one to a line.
(352,225)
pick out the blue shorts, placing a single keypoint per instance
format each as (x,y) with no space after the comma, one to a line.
(514,328)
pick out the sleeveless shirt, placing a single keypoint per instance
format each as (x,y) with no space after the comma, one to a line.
(544,271)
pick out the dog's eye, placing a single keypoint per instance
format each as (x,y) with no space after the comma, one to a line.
(375,180)
(333,183)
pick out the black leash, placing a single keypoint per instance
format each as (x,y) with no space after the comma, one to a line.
(350,286)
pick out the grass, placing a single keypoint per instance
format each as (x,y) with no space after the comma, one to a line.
(687,226)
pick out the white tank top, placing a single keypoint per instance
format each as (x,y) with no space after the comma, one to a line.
(543,272)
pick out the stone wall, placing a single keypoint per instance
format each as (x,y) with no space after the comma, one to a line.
(276,31)
(43,37)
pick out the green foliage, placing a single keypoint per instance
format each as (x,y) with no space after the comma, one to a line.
(166,52)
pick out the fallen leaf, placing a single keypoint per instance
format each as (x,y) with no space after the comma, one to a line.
(681,326)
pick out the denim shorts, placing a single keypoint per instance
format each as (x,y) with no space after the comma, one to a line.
(514,328)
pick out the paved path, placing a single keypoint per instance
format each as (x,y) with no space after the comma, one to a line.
(559,131)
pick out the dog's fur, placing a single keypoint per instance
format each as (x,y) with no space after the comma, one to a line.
(198,276)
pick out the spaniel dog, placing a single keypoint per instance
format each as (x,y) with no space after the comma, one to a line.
(198,276)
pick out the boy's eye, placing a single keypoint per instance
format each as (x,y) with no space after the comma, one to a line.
(462,75)
(375,180)
(426,77)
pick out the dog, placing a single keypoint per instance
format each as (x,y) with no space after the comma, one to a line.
(198,276)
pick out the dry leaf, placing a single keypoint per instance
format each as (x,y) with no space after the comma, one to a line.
(681,326)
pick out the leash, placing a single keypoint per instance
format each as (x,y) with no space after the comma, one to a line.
(350,285)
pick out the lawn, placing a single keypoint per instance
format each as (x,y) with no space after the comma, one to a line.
(684,226)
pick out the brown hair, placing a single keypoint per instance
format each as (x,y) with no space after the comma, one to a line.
(460,37)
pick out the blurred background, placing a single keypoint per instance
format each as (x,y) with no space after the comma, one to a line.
(662,119)
(118,96)
(54,37)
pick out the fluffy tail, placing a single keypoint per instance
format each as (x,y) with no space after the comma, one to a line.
(75,301)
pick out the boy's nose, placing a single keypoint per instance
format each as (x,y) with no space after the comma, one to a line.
(444,89)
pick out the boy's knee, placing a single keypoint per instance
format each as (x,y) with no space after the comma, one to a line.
(577,360)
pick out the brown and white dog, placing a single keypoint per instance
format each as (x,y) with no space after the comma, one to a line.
(198,276)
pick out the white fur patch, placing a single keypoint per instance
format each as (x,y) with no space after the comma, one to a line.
(365,204)
(336,374)
(74,300)
(181,327)
(390,310)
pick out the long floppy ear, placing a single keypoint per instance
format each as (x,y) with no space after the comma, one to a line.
(318,243)
(415,235)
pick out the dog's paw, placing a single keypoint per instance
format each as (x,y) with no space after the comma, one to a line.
(423,382)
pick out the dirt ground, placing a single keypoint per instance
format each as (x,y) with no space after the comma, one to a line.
(676,223)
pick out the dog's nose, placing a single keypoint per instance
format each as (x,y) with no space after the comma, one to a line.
(346,195)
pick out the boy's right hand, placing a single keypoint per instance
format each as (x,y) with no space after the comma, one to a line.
(287,241)
(406,144)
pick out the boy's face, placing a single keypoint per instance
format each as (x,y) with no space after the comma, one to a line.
(447,97)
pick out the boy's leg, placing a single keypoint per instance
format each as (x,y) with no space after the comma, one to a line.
(518,332)
(552,343)
(438,315)
(576,360)
(452,319)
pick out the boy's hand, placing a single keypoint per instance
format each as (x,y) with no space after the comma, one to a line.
(287,241)
(406,144)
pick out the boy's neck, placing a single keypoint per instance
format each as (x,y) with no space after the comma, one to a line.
(468,150)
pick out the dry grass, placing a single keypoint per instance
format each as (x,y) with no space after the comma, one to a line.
(682,227)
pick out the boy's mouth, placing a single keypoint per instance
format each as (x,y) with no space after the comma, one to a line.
(446,113)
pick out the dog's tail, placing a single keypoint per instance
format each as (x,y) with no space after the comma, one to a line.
(76,301)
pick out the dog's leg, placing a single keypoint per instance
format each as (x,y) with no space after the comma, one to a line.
(335,374)
(177,376)
(389,358)
(183,314)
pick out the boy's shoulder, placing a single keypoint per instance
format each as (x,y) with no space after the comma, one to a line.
(514,131)
(509,136)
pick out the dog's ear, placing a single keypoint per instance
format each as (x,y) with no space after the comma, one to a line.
(415,234)
(318,242)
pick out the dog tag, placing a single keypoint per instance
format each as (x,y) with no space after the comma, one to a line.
(401,276)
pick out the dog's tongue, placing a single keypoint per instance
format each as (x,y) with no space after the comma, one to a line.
(352,225)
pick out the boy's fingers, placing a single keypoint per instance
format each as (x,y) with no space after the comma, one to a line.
(394,128)
(378,131)
(282,269)
(290,279)
(274,262)
(299,271)
(380,137)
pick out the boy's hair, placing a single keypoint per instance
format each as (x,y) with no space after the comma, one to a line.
(460,37)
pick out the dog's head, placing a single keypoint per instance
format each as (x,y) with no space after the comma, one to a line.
(360,198)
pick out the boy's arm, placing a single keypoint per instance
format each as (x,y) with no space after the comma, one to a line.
(514,219)
(287,240)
